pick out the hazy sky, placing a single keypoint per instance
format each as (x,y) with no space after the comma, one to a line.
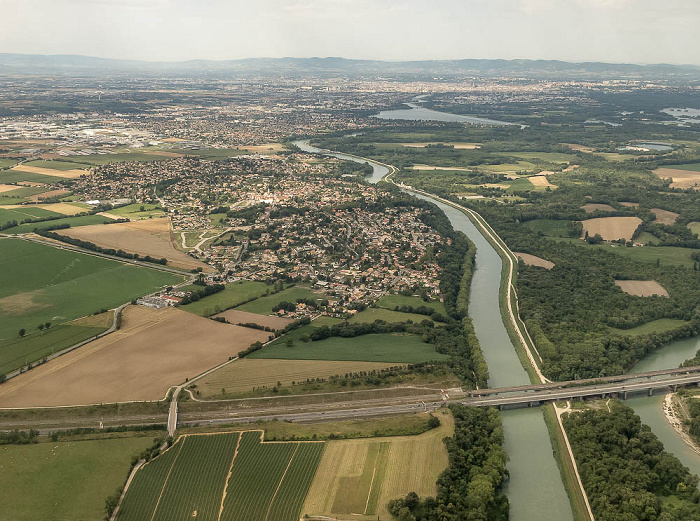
(640,31)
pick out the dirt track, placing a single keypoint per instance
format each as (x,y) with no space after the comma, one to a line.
(153,350)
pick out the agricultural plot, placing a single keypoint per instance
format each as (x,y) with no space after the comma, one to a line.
(532,260)
(664,216)
(694,227)
(235,316)
(387,315)
(227,476)
(65,480)
(17,176)
(152,351)
(549,227)
(21,213)
(146,237)
(85,220)
(392,301)
(541,181)
(547,157)
(682,176)
(398,348)
(642,288)
(56,164)
(63,174)
(138,211)
(120,157)
(7,162)
(264,305)
(242,375)
(595,207)
(233,295)
(655,326)
(39,284)
(612,228)
(356,479)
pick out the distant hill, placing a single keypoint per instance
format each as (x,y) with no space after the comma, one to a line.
(88,65)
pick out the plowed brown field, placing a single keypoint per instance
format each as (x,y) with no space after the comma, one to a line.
(153,350)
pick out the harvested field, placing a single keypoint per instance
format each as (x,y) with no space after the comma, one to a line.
(145,237)
(532,260)
(8,188)
(50,193)
(541,180)
(681,178)
(268,148)
(62,208)
(694,227)
(578,148)
(612,228)
(629,204)
(570,168)
(153,350)
(244,317)
(361,476)
(595,207)
(642,288)
(165,154)
(664,216)
(242,375)
(67,174)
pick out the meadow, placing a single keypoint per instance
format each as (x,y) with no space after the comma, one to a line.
(224,476)
(392,301)
(387,315)
(234,294)
(39,284)
(15,176)
(655,326)
(64,480)
(83,220)
(264,305)
(21,213)
(399,348)
(134,211)
(56,165)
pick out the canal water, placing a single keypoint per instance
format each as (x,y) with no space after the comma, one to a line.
(418,113)
(650,409)
(535,490)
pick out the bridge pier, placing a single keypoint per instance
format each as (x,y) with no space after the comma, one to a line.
(675,387)
(651,391)
(530,404)
(624,395)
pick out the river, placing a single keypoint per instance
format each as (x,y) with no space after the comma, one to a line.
(418,113)
(535,485)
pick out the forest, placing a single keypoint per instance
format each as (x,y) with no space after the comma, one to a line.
(627,474)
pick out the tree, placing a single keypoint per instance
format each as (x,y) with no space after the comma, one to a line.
(22,332)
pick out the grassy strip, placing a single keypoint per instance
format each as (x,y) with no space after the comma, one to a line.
(566,468)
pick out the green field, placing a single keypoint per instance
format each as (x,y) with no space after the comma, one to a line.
(59,164)
(400,348)
(133,211)
(391,301)
(268,481)
(7,162)
(18,351)
(119,157)
(549,157)
(694,227)
(667,255)
(65,480)
(211,153)
(387,315)
(520,166)
(83,220)
(519,185)
(21,213)
(264,305)
(655,326)
(234,294)
(692,167)
(24,191)
(549,227)
(41,284)
(15,176)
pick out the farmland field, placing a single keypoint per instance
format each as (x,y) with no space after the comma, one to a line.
(145,237)
(7,162)
(612,228)
(15,176)
(549,227)
(368,348)
(134,212)
(39,284)
(62,174)
(234,294)
(20,213)
(357,478)
(226,476)
(85,220)
(264,305)
(595,207)
(65,480)
(682,175)
(242,375)
(694,227)
(58,164)
(235,316)
(153,350)
(120,157)
(664,216)
(655,326)
(532,260)
(387,315)
(391,301)
(642,288)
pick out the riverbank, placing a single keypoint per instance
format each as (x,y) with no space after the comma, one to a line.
(676,421)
